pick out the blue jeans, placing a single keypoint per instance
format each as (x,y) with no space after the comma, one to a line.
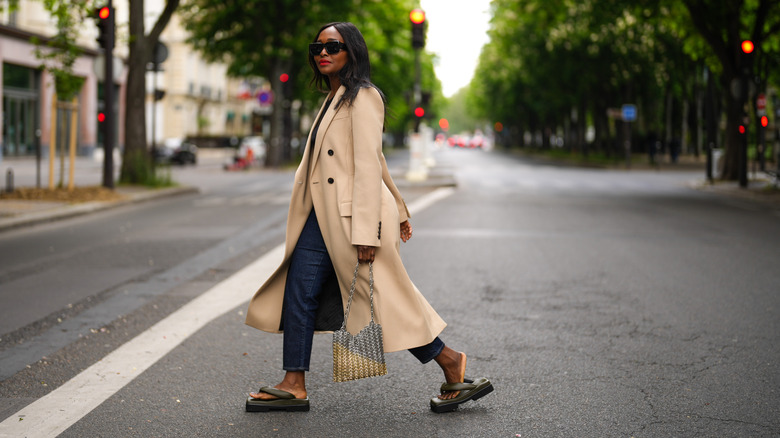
(310,268)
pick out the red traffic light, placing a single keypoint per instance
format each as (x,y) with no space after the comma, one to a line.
(764,121)
(741,129)
(417,16)
(284,77)
(747,46)
(419,111)
(444,124)
(104,19)
(101,117)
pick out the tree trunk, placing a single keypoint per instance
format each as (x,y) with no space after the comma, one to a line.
(731,154)
(668,118)
(684,128)
(136,164)
(699,121)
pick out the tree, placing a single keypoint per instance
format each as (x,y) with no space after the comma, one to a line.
(136,162)
(264,38)
(260,38)
(724,28)
(549,61)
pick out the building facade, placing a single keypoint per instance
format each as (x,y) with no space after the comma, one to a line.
(198,99)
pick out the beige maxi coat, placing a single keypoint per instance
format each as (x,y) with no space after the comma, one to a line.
(357,203)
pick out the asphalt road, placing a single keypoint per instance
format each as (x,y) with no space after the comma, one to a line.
(599,303)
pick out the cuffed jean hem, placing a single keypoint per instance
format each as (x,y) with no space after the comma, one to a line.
(296,369)
(427,353)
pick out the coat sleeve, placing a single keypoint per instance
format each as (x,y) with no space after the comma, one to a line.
(403,210)
(368,115)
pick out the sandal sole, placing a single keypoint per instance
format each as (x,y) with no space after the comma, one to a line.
(265,407)
(449,407)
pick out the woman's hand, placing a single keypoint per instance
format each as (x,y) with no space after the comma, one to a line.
(366,253)
(406,230)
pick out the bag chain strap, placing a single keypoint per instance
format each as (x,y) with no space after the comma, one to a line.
(352,292)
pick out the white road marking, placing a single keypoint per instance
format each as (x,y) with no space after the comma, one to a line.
(53,413)
(431,198)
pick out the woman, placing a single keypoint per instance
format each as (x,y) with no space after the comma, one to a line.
(342,195)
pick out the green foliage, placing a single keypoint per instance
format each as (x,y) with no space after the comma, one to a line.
(457,112)
(547,57)
(549,60)
(12,5)
(262,37)
(60,52)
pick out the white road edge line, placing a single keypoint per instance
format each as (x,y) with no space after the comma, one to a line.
(55,412)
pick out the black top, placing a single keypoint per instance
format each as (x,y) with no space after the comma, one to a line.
(317,125)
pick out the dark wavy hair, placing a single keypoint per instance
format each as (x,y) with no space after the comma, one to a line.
(356,74)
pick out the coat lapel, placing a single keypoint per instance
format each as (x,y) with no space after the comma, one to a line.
(324,124)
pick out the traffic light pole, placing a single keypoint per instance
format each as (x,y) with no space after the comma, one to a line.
(743,155)
(746,75)
(109,125)
(417,88)
(417,17)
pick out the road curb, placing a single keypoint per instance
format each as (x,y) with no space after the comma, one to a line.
(758,190)
(71,210)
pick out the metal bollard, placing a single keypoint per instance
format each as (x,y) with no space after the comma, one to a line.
(9,181)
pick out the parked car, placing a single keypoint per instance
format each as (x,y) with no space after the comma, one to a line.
(176,151)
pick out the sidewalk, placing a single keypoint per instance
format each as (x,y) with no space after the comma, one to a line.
(18,213)
(763,188)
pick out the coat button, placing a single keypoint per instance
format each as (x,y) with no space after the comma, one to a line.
(330,180)
(330,152)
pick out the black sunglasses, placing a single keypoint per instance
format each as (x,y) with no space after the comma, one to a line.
(332,47)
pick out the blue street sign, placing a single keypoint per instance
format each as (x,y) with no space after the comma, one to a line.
(265,97)
(629,112)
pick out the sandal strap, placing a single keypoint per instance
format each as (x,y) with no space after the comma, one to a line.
(277,393)
(457,386)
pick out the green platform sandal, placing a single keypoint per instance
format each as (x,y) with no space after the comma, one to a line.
(469,390)
(284,402)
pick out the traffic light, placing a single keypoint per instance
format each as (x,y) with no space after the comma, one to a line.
(419,112)
(417,16)
(747,46)
(764,121)
(746,58)
(104,18)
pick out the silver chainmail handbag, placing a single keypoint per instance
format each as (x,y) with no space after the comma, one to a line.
(362,355)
